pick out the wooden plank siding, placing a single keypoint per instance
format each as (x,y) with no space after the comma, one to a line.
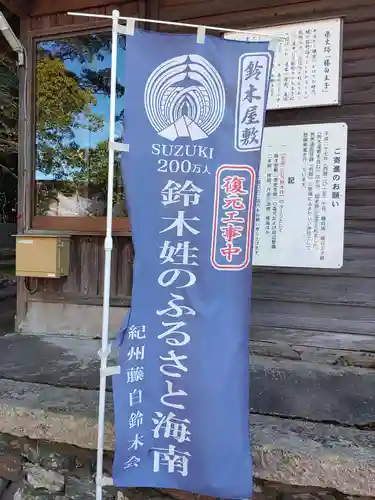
(84,285)
(334,304)
(60,22)
(327,303)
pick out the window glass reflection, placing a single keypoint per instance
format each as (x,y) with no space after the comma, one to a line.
(72,120)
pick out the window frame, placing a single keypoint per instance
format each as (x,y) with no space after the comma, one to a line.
(51,223)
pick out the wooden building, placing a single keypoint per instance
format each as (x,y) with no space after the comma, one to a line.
(313,334)
(302,320)
(314,308)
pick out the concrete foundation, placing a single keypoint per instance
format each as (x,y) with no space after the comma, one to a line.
(45,318)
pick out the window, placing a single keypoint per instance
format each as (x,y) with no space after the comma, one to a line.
(72,91)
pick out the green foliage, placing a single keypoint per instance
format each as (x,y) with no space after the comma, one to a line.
(8,107)
(65,106)
(96,169)
(60,98)
(8,137)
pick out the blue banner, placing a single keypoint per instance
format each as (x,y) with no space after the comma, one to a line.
(194,118)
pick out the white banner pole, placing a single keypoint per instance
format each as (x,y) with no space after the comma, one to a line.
(108,244)
(278,36)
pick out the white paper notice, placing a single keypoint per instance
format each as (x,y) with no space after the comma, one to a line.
(307,63)
(300,210)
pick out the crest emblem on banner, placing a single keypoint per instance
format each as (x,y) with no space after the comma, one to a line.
(185,97)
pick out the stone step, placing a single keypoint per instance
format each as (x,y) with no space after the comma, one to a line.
(284,388)
(285,451)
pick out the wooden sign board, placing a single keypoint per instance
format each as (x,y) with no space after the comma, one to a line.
(300,209)
(307,63)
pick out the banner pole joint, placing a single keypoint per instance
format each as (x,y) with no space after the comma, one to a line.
(127,29)
(109,371)
(119,146)
(201,34)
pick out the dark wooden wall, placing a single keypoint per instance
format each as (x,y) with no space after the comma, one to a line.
(50,16)
(320,308)
(297,307)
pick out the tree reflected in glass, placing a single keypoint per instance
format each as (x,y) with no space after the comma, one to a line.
(72,120)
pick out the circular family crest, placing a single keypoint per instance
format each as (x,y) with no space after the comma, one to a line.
(185,97)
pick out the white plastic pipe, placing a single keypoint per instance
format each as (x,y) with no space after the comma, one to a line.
(186,25)
(108,244)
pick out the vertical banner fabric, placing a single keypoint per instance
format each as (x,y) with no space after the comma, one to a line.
(194,118)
